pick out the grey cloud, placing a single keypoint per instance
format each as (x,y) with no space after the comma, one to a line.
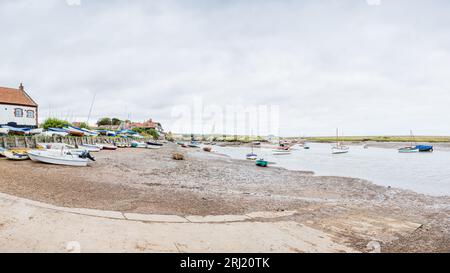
(328,64)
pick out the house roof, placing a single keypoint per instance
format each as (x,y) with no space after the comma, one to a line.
(15,97)
(146,124)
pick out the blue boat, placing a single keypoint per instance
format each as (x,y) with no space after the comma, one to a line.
(424,148)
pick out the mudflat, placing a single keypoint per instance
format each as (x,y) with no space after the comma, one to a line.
(354,211)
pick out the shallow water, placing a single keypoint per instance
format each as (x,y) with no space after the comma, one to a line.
(427,173)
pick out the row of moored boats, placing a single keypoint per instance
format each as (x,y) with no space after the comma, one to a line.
(67,131)
(69,155)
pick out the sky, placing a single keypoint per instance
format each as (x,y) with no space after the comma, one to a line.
(367,67)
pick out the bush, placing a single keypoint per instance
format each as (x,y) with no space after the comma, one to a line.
(84,125)
(178,156)
(54,123)
(169,137)
(145,131)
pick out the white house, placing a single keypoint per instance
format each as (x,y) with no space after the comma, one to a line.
(17,108)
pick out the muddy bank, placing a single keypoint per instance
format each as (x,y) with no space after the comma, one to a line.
(149,181)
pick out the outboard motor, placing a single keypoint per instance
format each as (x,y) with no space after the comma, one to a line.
(87,155)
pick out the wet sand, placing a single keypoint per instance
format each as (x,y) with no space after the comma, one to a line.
(149,181)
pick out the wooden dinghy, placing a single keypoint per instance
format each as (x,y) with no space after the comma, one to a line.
(74,131)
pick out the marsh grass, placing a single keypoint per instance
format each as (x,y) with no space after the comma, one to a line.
(429,139)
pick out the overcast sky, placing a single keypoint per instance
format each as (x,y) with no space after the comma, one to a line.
(369,67)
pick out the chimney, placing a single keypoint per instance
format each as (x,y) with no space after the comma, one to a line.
(21,87)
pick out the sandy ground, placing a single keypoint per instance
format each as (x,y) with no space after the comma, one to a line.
(352,212)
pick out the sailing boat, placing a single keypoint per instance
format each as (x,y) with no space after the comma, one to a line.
(252,155)
(339,148)
(410,149)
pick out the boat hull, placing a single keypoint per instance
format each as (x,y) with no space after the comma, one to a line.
(19,156)
(90,148)
(109,148)
(281,153)
(138,145)
(261,163)
(152,147)
(154,143)
(66,160)
(337,151)
(424,148)
(408,151)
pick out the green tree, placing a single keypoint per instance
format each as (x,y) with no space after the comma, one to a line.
(54,123)
(104,121)
(84,125)
(116,121)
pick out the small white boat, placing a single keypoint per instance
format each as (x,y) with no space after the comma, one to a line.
(339,148)
(194,144)
(36,131)
(61,147)
(2,150)
(108,147)
(60,157)
(407,150)
(122,145)
(153,147)
(89,148)
(54,133)
(281,152)
(16,154)
(4,131)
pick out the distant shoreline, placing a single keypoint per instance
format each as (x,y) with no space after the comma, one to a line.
(428,139)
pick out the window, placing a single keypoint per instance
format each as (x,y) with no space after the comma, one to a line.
(18,113)
(30,114)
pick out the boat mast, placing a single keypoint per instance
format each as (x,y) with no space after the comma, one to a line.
(90,109)
(337,137)
(412,138)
